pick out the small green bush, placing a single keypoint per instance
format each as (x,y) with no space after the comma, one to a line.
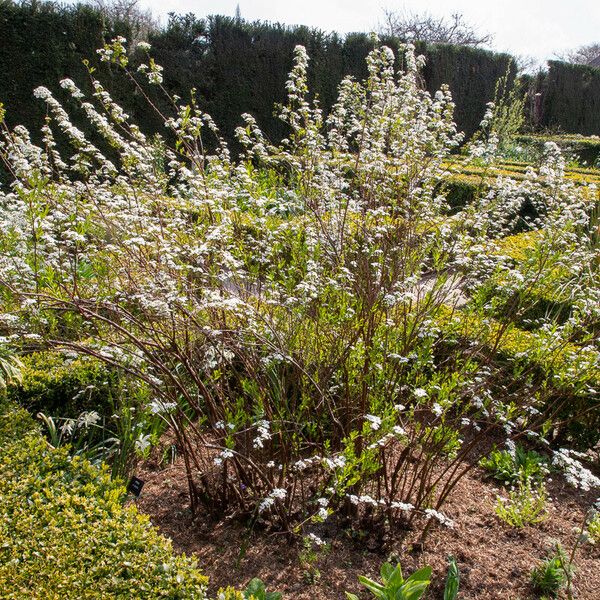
(550,575)
(593,527)
(512,467)
(525,505)
(394,586)
(254,591)
(57,385)
(65,533)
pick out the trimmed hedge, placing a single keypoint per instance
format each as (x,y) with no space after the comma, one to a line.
(66,534)
(572,98)
(585,148)
(236,66)
(572,375)
(57,385)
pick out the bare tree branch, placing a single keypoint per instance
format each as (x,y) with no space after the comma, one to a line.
(140,21)
(584,55)
(424,27)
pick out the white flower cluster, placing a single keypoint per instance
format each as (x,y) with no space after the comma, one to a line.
(575,473)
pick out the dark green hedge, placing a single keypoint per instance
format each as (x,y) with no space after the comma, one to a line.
(572,98)
(236,66)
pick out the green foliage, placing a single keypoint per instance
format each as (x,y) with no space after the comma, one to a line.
(507,114)
(526,505)
(583,149)
(551,575)
(255,590)
(512,467)
(393,586)
(96,411)
(572,98)
(10,371)
(572,373)
(472,74)
(593,527)
(65,533)
(452,580)
(57,385)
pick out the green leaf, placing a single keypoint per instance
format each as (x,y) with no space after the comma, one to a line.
(375,588)
(255,588)
(452,580)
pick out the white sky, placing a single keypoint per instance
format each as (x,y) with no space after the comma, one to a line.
(536,28)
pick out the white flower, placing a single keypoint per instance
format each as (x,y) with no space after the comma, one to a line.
(159,407)
(316,540)
(142,443)
(420,393)
(88,418)
(374,420)
(279,493)
(441,517)
(437,410)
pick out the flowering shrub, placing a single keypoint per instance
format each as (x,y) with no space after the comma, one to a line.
(284,307)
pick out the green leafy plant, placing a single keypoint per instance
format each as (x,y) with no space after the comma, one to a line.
(593,527)
(393,586)
(514,466)
(312,548)
(256,591)
(525,505)
(452,580)
(10,371)
(549,577)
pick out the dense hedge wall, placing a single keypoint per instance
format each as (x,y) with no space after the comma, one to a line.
(65,533)
(41,44)
(236,66)
(572,98)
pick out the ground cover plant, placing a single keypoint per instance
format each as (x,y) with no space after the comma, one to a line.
(321,336)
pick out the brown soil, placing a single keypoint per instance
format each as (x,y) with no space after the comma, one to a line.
(494,559)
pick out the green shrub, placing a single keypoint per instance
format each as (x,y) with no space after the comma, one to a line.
(461,191)
(393,586)
(584,149)
(551,575)
(255,590)
(65,533)
(525,505)
(57,385)
(572,373)
(512,467)
(593,527)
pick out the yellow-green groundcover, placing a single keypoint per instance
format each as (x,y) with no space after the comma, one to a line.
(66,533)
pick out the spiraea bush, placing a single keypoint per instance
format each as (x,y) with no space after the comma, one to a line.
(285,307)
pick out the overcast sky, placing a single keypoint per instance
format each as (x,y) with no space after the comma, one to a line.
(537,28)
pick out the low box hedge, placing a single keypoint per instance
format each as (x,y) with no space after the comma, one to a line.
(55,384)
(65,532)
